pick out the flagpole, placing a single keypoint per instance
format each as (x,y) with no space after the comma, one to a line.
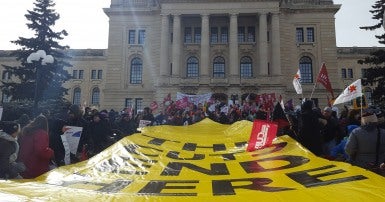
(311,95)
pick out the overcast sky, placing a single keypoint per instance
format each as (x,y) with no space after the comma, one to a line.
(87,24)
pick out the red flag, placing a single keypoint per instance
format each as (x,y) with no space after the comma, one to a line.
(262,134)
(182,103)
(323,78)
(154,105)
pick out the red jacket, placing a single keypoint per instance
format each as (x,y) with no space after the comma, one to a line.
(35,153)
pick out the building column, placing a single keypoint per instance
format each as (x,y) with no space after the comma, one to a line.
(275,45)
(164,42)
(233,46)
(205,47)
(262,41)
(176,47)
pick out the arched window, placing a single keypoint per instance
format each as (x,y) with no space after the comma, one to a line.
(219,67)
(77,96)
(136,71)
(246,67)
(306,68)
(95,97)
(192,67)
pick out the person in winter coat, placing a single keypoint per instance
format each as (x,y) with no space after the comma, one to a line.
(35,152)
(361,145)
(100,131)
(9,149)
(309,128)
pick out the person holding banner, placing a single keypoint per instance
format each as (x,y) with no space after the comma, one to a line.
(309,134)
(35,152)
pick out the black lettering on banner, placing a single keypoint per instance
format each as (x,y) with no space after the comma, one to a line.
(254,167)
(240,144)
(303,177)
(158,141)
(194,146)
(175,155)
(271,149)
(174,169)
(155,187)
(113,187)
(132,148)
(226,187)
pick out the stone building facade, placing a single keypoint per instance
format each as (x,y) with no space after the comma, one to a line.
(229,48)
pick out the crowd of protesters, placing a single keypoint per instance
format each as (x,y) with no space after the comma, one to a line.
(344,136)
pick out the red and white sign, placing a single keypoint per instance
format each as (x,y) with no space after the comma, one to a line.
(262,134)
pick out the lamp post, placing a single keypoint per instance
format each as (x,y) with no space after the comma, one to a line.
(43,58)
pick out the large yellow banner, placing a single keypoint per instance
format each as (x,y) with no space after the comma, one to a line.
(202,162)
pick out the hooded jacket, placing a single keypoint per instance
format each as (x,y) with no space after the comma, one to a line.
(9,148)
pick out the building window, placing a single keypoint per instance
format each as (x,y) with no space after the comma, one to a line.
(364,73)
(343,73)
(93,74)
(197,35)
(224,34)
(246,67)
(136,71)
(6,75)
(299,35)
(100,74)
(5,98)
(350,73)
(128,103)
(81,74)
(138,104)
(131,36)
(187,35)
(219,67)
(306,68)
(250,34)
(95,97)
(310,34)
(141,36)
(241,34)
(214,35)
(77,95)
(192,67)
(75,74)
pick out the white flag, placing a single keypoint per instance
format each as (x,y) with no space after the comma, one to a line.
(297,82)
(354,90)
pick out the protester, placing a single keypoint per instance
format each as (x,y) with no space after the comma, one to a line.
(366,144)
(9,149)
(330,131)
(338,152)
(126,124)
(100,132)
(309,129)
(35,152)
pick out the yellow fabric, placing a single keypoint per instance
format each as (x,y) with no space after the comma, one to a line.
(202,162)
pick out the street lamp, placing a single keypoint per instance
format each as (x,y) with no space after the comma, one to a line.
(38,56)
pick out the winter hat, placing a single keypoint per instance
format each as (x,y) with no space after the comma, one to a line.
(9,127)
(368,118)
